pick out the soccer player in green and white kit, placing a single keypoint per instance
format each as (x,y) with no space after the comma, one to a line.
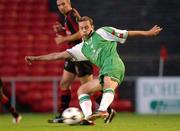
(100,48)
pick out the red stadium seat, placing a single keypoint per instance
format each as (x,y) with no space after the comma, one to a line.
(22,87)
(7,71)
(47,94)
(38,71)
(26,29)
(22,70)
(10,55)
(34,96)
(46,87)
(46,105)
(2,41)
(54,70)
(122,105)
(8,61)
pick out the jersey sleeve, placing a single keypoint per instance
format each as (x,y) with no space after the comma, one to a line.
(76,53)
(113,34)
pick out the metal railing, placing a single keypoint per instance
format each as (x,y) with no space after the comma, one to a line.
(54,80)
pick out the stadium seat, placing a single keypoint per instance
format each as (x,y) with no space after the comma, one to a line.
(7,70)
(34,96)
(38,71)
(22,69)
(45,87)
(2,43)
(47,94)
(46,105)
(53,70)
(122,105)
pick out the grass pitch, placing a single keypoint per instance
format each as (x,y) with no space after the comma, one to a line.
(122,122)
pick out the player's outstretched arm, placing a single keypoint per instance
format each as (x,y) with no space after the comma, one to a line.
(151,32)
(49,57)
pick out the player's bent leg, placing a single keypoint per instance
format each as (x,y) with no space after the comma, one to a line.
(85,79)
(67,80)
(65,84)
(107,99)
(84,96)
(109,118)
(89,87)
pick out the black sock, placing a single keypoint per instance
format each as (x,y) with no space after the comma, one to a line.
(65,100)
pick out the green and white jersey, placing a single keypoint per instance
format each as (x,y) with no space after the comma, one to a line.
(100,49)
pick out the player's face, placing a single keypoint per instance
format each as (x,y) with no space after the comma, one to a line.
(85,29)
(63,6)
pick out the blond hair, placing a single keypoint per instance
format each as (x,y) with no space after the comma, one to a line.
(86,18)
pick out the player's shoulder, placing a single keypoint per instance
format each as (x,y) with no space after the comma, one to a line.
(74,13)
(104,29)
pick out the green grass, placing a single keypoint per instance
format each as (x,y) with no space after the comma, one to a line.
(122,122)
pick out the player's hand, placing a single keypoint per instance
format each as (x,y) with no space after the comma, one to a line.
(59,39)
(154,31)
(57,27)
(29,59)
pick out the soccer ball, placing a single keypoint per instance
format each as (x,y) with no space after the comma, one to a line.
(72,116)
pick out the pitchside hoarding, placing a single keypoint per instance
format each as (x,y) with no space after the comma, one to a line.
(158,95)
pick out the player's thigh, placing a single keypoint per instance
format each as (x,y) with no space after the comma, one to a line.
(109,83)
(90,87)
(85,79)
(67,79)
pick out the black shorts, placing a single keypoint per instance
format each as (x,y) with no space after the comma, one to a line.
(79,68)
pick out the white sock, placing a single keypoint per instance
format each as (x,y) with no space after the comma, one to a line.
(86,105)
(107,99)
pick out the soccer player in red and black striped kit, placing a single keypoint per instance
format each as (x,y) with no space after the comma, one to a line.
(5,101)
(82,69)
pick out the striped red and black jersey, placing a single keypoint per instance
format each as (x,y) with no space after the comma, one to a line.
(71,24)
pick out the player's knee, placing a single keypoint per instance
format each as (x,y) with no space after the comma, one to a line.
(82,90)
(79,92)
